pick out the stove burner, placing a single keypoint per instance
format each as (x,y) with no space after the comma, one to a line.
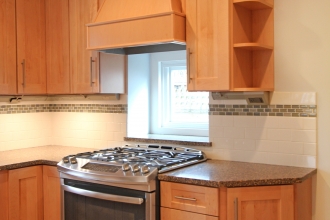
(147,156)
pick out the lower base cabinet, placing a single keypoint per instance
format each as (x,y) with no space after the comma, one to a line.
(167,213)
(25,193)
(281,202)
(52,193)
(31,193)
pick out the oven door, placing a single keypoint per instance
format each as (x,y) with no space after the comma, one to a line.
(90,201)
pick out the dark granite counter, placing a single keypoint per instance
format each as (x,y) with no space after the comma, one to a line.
(212,173)
(217,173)
(46,155)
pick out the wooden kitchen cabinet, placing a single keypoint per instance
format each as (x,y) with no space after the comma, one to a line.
(84,64)
(280,202)
(167,213)
(52,193)
(7,48)
(262,202)
(230,45)
(4,195)
(58,46)
(31,46)
(197,202)
(25,193)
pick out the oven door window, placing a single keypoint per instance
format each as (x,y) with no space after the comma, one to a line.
(88,201)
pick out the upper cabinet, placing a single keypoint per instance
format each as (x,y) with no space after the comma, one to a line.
(7,47)
(31,46)
(84,64)
(58,44)
(230,45)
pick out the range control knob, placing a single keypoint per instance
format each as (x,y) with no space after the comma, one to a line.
(73,160)
(145,169)
(135,168)
(125,167)
(65,160)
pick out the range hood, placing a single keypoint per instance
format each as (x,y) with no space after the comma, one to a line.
(252,98)
(130,23)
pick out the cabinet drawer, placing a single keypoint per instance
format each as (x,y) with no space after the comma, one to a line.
(173,214)
(199,199)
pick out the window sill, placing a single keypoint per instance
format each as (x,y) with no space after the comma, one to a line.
(171,139)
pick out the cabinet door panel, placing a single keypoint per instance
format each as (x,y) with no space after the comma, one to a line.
(57,50)
(25,190)
(173,214)
(30,19)
(7,47)
(4,195)
(269,202)
(208,41)
(83,63)
(52,193)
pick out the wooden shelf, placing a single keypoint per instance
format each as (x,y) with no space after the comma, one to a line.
(253,46)
(253,4)
(252,89)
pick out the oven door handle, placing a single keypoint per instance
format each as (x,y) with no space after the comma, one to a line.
(104,196)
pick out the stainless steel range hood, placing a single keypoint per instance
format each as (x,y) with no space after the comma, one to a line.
(131,23)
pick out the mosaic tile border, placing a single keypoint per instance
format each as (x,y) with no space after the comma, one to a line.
(264,110)
(89,108)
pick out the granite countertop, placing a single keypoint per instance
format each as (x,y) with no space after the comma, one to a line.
(212,173)
(45,155)
(218,173)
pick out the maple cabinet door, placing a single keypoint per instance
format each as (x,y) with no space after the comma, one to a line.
(52,193)
(84,69)
(207,36)
(31,50)
(262,202)
(4,194)
(7,47)
(26,193)
(57,50)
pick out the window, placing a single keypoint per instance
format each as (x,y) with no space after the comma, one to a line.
(174,110)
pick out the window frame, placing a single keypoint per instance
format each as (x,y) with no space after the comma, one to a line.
(159,113)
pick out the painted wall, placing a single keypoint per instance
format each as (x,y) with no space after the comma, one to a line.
(302,63)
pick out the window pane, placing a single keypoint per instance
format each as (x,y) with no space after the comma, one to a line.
(186,106)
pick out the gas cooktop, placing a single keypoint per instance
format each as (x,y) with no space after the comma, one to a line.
(136,158)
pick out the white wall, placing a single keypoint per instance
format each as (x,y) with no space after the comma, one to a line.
(302,63)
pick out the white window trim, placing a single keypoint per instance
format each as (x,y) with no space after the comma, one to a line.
(156,108)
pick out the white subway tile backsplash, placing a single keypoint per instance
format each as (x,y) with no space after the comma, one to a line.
(279,134)
(310,149)
(234,132)
(306,161)
(267,146)
(256,133)
(244,144)
(216,132)
(307,136)
(309,123)
(222,143)
(288,147)
(266,122)
(244,121)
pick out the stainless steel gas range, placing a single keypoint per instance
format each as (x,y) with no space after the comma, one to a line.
(119,183)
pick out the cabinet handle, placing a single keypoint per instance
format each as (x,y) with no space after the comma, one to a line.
(236,209)
(184,198)
(188,65)
(91,70)
(23,70)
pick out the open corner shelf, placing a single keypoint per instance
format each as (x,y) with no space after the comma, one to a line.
(253,46)
(254,4)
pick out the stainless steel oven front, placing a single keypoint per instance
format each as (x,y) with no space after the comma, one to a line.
(87,196)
